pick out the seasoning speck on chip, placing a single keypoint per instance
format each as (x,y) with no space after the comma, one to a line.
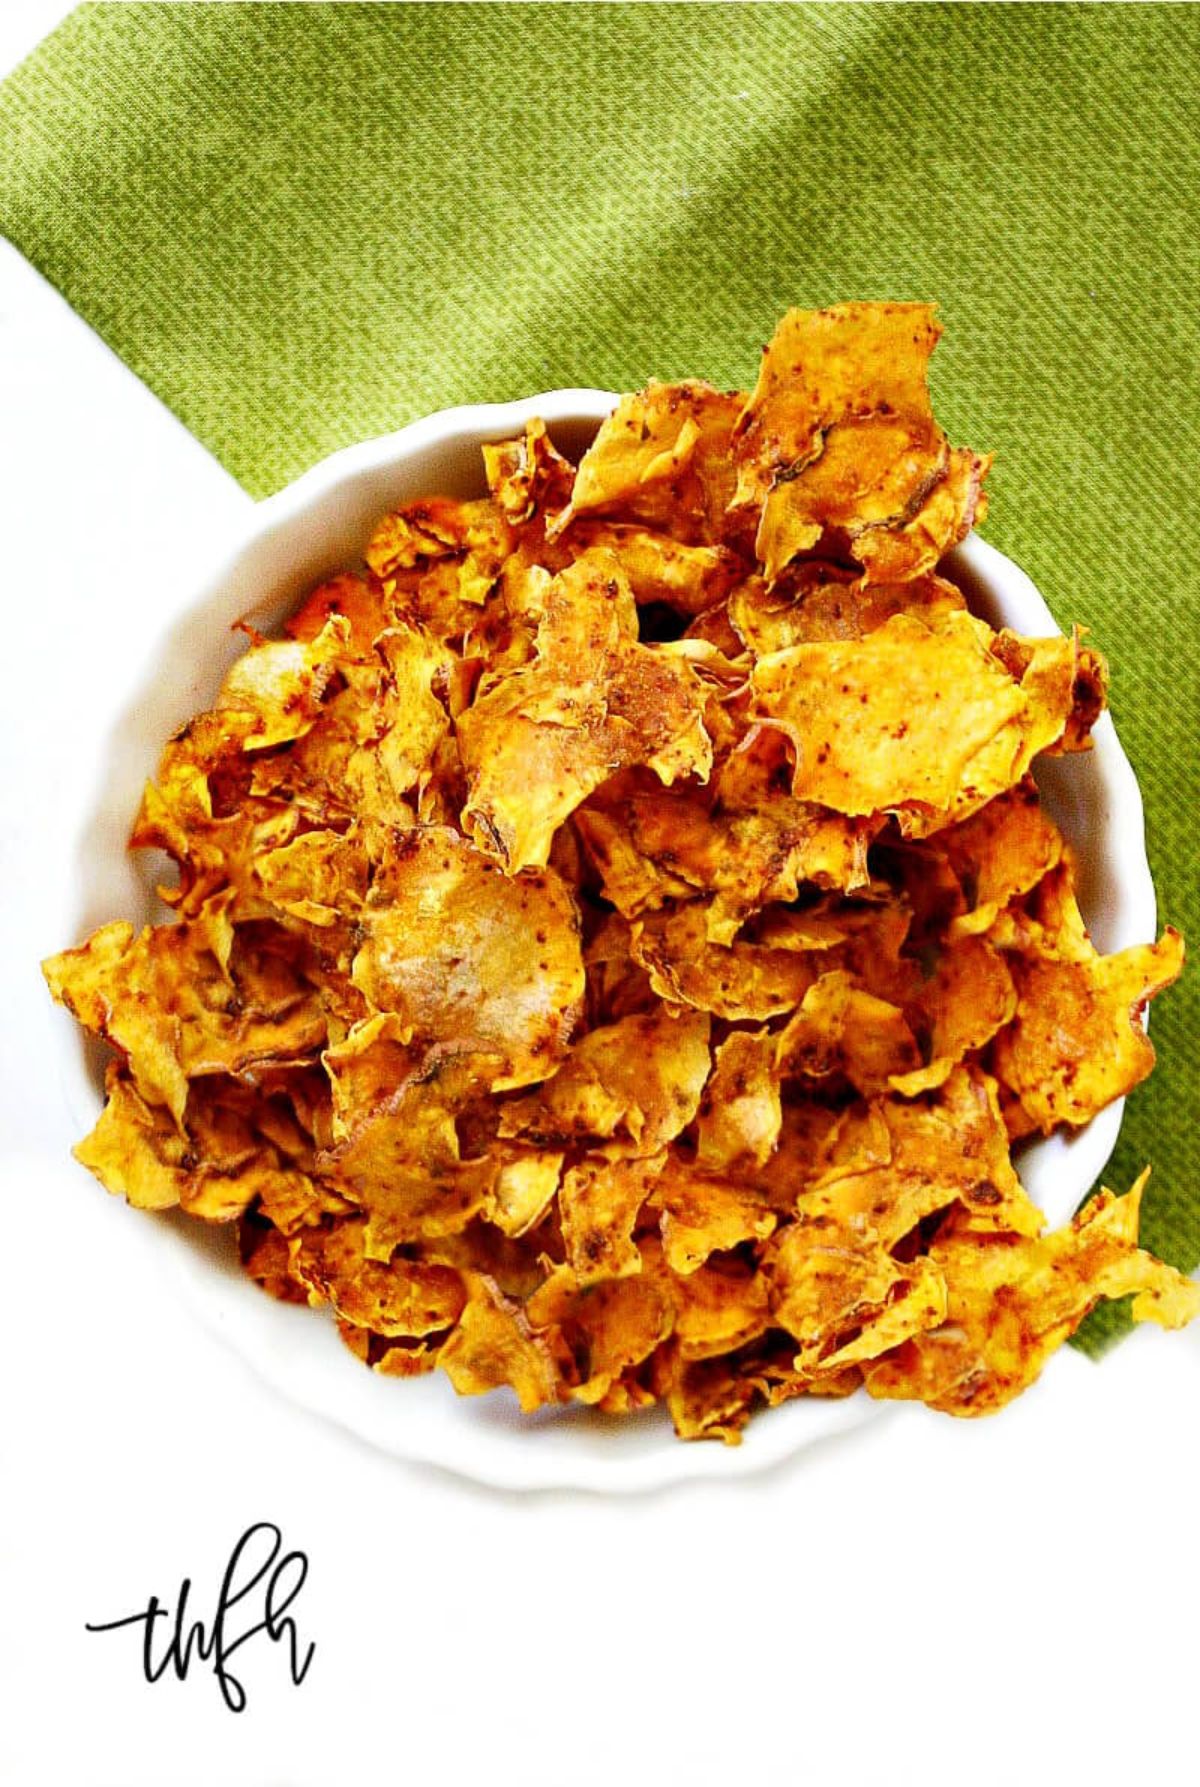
(617,941)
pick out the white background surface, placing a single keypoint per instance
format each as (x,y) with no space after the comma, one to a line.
(923,1601)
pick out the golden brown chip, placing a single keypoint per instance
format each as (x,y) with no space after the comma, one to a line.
(1012,1301)
(1078,1040)
(360,602)
(686,578)
(959,1006)
(662,458)
(928,724)
(403,1298)
(826,602)
(745,840)
(528,474)
(838,440)
(741,980)
(439,528)
(1000,852)
(598,1205)
(839,1029)
(280,683)
(494,1345)
(740,1114)
(634,1084)
(890,1168)
(843,1297)
(526,1183)
(400,1159)
(611,1327)
(539,739)
(213,1165)
(470,958)
(709,1399)
(180,1001)
(703,1214)
(718,1308)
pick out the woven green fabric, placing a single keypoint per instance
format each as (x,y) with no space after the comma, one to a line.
(302,225)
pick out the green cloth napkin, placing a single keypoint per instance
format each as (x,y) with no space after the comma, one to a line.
(303,225)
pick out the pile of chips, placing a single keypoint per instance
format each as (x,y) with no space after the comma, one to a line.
(617,940)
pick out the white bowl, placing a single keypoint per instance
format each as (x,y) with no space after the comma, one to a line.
(319,525)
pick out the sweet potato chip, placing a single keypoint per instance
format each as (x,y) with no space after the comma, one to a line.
(610,1327)
(598,1205)
(1077,1041)
(741,980)
(403,1298)
(494,1345)
(928,724)
(472,958)
(662,458)
(746,840)
(1012,1301)
(826,602)
(839,1029)
(740,1114)
(838,441)
(702,1214)
(541,738)
(634,1085)
(908,1161)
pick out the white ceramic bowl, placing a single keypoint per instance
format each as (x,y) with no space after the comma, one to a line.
(319,525)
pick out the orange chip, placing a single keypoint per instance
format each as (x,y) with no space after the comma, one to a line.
(471,958)
(829,603)
(634,1084)
(928,724)
(703,1214)
(1077,1041)
(403,1298)
(611,1327)
(662,458)
(741,980)
(746,840)
(740,1115)
(839,439)
(719,1307)
(538,741)
(494,1345)
(599,1204)
(1012,1301)
(280,683)
(838,1029)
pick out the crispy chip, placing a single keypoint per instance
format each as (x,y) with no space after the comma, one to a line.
(1078,1041)
(541,738)
(634,1084)
(703,1214)
(494,1345)
(927,724)
(471,958)
(838,439)
(1012,1301)
(742,980)
(599,1204)
(662,458)
(400,1299)
(611,1327)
